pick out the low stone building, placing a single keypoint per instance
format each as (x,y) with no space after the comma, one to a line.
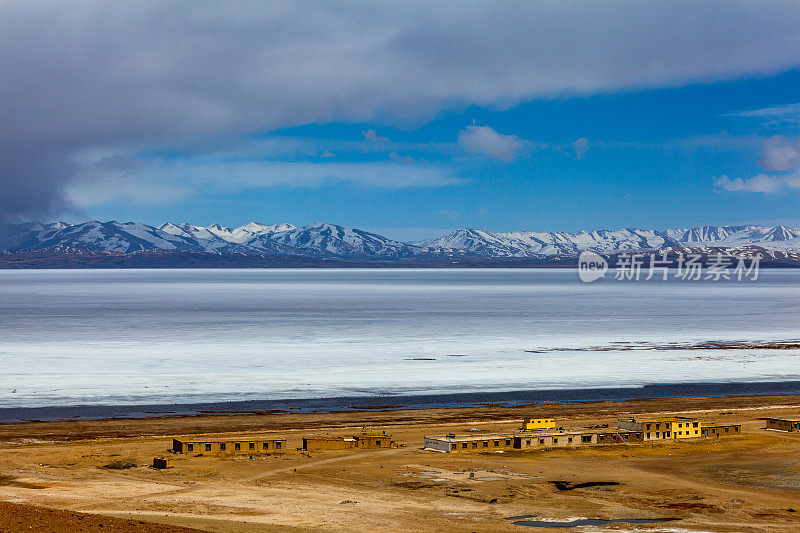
(465,443)
(712,430)
(229,445)
(784,424)
(362,441)
(327,443)
(492,442)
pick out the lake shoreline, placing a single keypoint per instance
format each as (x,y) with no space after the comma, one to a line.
(378,403)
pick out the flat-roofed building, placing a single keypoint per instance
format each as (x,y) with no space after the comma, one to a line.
(228,445)
(676,427)
(713,430)
(492,442)
(488,442)
(538,423)
(319,443)
(578,437)
(791,423)
(378,440)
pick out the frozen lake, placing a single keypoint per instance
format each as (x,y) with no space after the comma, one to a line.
(146,336)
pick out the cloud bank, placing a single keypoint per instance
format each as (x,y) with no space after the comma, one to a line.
(484,140)
(780,155)
(141,74)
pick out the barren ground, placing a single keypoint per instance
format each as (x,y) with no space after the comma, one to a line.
(745,483)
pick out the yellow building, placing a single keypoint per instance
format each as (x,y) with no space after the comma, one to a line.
(675,427)
(538,423)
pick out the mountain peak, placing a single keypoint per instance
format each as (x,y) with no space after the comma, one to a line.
(325,240)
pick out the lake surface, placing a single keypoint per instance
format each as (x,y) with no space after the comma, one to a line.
(72,337)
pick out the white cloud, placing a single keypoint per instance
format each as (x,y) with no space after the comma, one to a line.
(449,213)
(761,183)
(581,146)
(484,140)
(165,181)
(402,159)
(371,136)
(146,73)
(784,115)
(780,154)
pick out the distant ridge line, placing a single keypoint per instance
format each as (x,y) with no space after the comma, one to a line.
(258,244)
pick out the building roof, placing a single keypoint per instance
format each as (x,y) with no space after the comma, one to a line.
(668,419)
(226,439)
(546,433)
(785,418)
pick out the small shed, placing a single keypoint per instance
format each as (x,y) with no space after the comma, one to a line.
(162,462)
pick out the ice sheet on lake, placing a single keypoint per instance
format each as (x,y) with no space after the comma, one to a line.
(136,336)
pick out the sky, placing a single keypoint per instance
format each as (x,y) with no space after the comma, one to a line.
(408,119)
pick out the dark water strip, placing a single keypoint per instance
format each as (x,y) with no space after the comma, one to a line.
(591,522)
(394,402)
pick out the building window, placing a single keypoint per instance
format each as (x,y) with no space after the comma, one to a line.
(555,441)
(694,424)
(508,442)
(237,446)
(497,443)
(190,447)
(474,444)
(252,445)
(277,445)
(541,441)
(208,447)
(586,438)
(569,440)
(668,434)
(222,446)
(265,446)
(377,443)
(528,442)
(464,446)
(486,444)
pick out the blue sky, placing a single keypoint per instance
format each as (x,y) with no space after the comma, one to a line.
(408,120)
(650,159)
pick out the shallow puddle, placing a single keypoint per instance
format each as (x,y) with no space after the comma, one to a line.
(526,521)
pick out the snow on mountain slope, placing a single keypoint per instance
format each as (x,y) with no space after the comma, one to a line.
(329,240)
(315,240)
(541,244)
(322,240)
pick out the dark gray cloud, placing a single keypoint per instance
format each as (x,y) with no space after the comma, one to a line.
(108,77)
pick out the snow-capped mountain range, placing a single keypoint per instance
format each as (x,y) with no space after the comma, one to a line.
(544,244)
(320,240)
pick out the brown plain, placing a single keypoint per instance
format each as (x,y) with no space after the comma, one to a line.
(52,475)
